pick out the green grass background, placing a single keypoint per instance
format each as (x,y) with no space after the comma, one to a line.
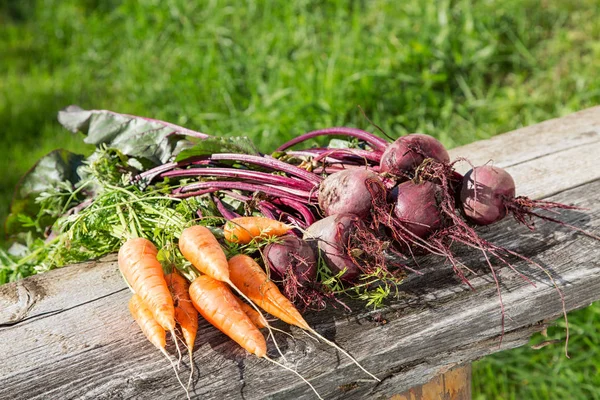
(461,70)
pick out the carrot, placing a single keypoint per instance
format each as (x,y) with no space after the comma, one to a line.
(185,313)
(155,333)
(250,278)
(215,302)
(200,247)
(219,306)
(258,320)
(144,274)
(243,229)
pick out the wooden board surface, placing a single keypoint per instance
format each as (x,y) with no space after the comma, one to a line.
(67,333)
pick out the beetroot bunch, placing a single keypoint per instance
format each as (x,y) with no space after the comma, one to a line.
(380,204)
(363,211)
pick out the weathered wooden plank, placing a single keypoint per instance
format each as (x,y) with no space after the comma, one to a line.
(452,385)
(555,172)
(68,334)
(525,144)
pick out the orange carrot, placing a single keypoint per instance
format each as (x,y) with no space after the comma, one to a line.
(258,320)
(200,247)
(219,306)
(250,278)
(185,313)
(144,274)
(243,229)
(155,333)
(215,302)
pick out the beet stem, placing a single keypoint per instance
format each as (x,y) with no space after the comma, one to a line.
(376,142)
(271,163)
(242,174)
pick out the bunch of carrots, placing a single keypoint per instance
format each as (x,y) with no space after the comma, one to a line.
(161,301)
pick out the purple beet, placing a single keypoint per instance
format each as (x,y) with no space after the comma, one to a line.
(332,236)
(485,193)
(408,152)
(349,191)
(292,259)
(417,206)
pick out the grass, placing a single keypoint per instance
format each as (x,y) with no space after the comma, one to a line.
(461,70)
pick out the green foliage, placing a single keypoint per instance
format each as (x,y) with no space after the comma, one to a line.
(460,70)
(212,145)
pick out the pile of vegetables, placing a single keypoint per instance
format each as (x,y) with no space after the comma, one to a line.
(195,216)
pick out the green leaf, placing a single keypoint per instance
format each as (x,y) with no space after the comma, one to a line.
(50,172)
(137,137)
(212,145)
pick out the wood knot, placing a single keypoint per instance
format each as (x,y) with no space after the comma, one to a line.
(16,300)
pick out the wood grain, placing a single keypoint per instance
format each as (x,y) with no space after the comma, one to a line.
(67,333)
(452,385)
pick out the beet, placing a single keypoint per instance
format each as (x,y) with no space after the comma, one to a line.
(408,152)
(417,207)
(485,193)
(349,191)
(331,237)
(292,259)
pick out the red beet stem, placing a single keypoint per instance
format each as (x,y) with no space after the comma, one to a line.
(302,209)
(376,142)
(225,212)
(210,187)
(269,162)
(261,177)
(367,155)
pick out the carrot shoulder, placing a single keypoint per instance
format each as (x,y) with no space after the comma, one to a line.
(200,247)
(215,302)
(144,274)
(243,229)
(251,280)
(155,333)
(185,313)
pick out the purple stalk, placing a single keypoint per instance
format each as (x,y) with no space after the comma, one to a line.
(330,169)
(153,172)
(311,195)
(213,186)
(308,216)
(236,196)
(268,210)
(294,220)
(374,156)
(225,212)
(304,153)
(376,142)
(242,174)
(271,163)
